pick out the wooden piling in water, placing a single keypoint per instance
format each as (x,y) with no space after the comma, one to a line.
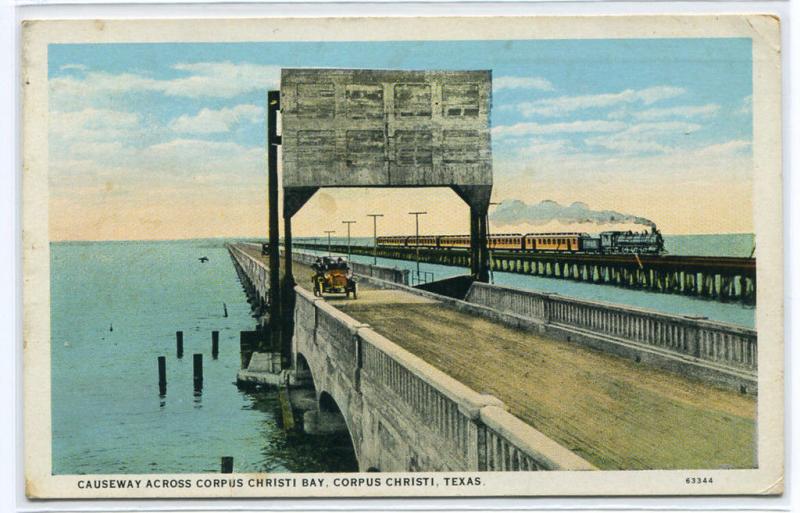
(214,344)
(226,465)
(198,371)
(162,375)
(179,343)
(286,409)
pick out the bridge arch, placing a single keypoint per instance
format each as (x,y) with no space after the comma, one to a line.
(302,363)
(328,405)
(303,373)
(325,393)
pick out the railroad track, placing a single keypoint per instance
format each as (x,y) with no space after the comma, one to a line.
(725,279)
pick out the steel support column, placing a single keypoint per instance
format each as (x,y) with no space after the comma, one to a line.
(287,296)
(273,106)
(479,250)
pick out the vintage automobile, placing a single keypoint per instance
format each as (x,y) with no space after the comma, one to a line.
(333,277)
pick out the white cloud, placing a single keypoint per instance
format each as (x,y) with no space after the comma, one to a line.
(187,158)
(223,79)
(96,149)
(682,112)
(567,104)
(523,129)
(92,125)
(177,163)
(94,146)
(728,162)
(729,148)
(541,147)
(209,121)
(644,137)
(197,149)
(537,83)
(201,80)
(78,67)
(747,106)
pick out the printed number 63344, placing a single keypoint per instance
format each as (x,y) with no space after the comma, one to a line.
(699,480)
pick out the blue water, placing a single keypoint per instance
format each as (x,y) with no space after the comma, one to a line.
(708,245)
(107,415)
(727,244)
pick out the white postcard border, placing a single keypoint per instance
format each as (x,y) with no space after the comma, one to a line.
(767,208)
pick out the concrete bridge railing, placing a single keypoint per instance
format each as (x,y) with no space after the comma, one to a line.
(402,413)
(390,274)
(460,428)
(256,273)
(709,341)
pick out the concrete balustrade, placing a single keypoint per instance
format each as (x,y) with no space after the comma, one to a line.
(257,276)
(716,342)
(510,444)
(717,352)
(461,420)
(336,329)
(441,403)
(390,274)
(402,413)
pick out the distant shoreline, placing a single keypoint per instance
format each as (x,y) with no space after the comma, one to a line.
(305,238)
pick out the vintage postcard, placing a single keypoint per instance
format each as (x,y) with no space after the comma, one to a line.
(403,257)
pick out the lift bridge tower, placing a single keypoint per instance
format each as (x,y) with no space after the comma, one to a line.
(377,128)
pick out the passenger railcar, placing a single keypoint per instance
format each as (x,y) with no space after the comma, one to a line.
(607,243)
(560,242)
(510,241)
(453,241)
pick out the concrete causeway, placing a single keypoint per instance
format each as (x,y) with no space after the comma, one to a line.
(611,411)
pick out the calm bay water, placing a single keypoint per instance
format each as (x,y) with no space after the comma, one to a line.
(107,415)
(740,245)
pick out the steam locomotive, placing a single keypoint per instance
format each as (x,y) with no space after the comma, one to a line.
(606,243)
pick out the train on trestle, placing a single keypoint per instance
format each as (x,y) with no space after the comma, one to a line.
(647,242)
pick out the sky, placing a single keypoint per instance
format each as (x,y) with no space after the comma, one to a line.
(166,141)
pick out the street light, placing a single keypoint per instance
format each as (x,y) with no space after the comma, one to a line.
(348,223)
(329,232)
(416,217)
(375,237)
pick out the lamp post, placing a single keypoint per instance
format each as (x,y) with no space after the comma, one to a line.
(348,223)
(375,237)
(416,241)
(329,232)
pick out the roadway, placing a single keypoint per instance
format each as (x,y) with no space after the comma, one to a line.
(613,412)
